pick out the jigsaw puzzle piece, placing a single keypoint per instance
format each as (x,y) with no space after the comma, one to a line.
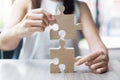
(66,23)
(65,56)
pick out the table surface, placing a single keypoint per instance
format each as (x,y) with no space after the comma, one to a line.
(39,70)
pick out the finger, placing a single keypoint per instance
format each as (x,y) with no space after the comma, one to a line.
(87,58)
(35,23)
(37,17)
(100,58)
(49,15)
(97,65)
(97,60)
(86,63)
(101,70)
(36,29)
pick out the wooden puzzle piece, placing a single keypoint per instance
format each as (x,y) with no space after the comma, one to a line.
(66,23)
(65,56)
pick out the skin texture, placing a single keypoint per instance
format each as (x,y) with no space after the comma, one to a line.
(98,59)
(23,25)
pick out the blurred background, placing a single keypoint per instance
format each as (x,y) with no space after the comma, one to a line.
(106,14)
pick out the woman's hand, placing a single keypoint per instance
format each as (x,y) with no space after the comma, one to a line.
(97,61)
(35,20)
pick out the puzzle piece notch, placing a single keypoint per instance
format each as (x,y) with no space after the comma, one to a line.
(62,68)
(55,27)
(62,34)
(66,23)
(65,56)
(55,61)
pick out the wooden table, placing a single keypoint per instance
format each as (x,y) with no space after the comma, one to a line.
(39,70)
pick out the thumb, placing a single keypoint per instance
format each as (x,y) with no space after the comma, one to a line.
(49,15)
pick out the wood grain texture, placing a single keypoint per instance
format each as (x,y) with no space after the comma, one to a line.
(65,56)
(66,23)
(39,70)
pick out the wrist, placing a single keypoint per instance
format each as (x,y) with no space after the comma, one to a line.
(15,33)
(98,46)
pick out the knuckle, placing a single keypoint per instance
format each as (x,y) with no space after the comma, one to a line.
(87,63)
(91,56)
(42,10)
(41,29)
(26,22)
(49,15)
(93,67)
(42,23)
(90,63)
(103,63)
(102,70)
(42,16)
(97,51)
(28,30)
(30,11)
(101,52)
(104,57)
(28,16)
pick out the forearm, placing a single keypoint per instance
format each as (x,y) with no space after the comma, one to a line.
(97,61)
(89,28)
(93,38)
(9,40)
